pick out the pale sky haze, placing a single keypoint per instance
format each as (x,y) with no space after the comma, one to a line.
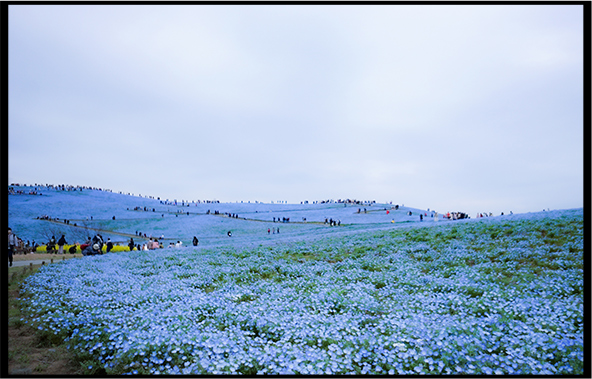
(474,108)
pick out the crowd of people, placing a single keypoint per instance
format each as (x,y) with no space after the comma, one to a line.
(68,187)
(332,222)
(58,187)
(173,244)
(340,201)
(187,203)
(17,245)
(145,209)
(55,219)
(455,215)
(227,214)
(12,191)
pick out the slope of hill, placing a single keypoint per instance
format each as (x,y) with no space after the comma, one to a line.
(501,296)
(82,213)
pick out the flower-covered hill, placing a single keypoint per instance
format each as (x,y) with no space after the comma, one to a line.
(119,217)
(502,296)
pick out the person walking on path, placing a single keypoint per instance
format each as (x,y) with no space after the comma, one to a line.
(61,243)
(131,244)
(11,245)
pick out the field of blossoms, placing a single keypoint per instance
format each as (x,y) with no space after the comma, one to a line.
(489,296)
(114,212)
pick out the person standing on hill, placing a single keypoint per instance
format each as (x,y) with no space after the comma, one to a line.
(195,241)
(61,243)
(131,244)
(11,245)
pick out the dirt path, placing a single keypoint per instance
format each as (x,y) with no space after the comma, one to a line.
(277,222)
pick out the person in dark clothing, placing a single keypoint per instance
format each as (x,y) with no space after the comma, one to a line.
(195,241)
(51,245)
(97,244)
(61,243)
(11,245)
(131,244)
(109,245)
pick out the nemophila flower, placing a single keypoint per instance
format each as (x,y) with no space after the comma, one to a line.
(295,320)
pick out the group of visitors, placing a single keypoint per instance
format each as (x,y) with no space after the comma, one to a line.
(186,203)
(227,214)
(332,222)
(340,201)
(273,231)
(140,234)
(55,219)
(152,244)
(23,247)
(92,246)
(456,215)
(51,245)
(178,244)
(95,246)
(59,187)
(12,191)
(145,209)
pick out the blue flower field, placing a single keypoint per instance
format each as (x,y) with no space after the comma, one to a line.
(382,294)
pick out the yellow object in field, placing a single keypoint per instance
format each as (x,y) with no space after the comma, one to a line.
(116,249)
(43,249)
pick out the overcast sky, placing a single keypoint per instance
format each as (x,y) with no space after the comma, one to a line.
(475,108)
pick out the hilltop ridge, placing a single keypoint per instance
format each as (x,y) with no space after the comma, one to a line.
(38,212)
(79,210)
